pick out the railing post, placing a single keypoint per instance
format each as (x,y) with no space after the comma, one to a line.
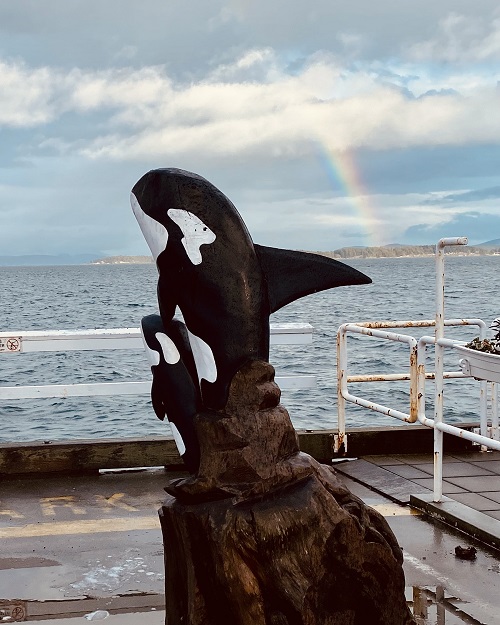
(439,369)
(414,379)
(340,439)
(483,400)
(495,433)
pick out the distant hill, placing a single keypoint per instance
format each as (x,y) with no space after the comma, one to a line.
(399,251)
(33,260)
(492,243)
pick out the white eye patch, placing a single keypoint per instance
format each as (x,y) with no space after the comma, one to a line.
(170,351)
(195,232)
(155,233)
(152,355)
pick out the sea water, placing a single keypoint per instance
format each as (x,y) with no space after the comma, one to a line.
(114,296)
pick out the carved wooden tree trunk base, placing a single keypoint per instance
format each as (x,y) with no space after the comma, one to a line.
(269,536)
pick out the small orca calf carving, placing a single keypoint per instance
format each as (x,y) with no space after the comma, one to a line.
(225,286)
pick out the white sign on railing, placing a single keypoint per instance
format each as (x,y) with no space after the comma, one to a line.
(122,338)
(10,344)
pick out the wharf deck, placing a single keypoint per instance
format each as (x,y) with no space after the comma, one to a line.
(76,544)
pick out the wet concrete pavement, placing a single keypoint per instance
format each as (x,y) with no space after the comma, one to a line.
(430,565)
(74,545)
(471,487)
(78,544)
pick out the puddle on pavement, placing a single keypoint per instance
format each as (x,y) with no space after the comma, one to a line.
(435,606)
(104,577)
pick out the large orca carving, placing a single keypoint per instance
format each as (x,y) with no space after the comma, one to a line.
(225,287)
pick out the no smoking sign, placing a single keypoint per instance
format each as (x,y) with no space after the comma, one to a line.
(10,344)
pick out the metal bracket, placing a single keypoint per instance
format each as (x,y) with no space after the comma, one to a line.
(465,366)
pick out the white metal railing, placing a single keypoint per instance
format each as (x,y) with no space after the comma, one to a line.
(121,338)
(374,329)
(418,375)
(440,426)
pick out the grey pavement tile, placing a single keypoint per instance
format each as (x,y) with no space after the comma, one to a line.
(495,496)
(421,486)
(414,458)
(493,513)
(383,461)
(407,471)
(479,484)
(426,467)
(478,456)
(464,469)
(491,465)
(473,500)
(360,490)
(422,459)
(379,479)
(448,488)
(458,469)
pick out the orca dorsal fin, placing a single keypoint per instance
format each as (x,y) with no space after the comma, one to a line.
(291,275)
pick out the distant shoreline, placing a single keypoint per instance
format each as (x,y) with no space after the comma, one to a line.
(123,260)
(133,260)
(342,254)
(346,253)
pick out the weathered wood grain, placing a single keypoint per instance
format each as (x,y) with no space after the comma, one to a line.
(265,535)
(86,455)
(76,456)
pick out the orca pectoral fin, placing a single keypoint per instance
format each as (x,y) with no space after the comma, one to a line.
(291,275)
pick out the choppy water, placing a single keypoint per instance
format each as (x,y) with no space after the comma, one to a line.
(107,296)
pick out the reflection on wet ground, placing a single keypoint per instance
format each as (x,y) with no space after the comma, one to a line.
(437,607)
(429,605)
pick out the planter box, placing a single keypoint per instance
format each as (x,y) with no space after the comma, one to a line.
(480,365)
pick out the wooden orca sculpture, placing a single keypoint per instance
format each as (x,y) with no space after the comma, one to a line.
(225,286)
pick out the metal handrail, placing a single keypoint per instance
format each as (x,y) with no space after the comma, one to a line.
(418,375)
(374,328)
(438,424)
(121,338)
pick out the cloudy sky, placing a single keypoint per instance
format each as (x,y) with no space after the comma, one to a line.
(328,123)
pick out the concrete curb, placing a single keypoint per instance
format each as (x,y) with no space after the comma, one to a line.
(474,523)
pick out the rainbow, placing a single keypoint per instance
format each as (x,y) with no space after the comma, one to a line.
(343,176)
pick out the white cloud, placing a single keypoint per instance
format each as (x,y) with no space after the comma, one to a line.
(36,96)
(282,113)
(26,95)
(286,116)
